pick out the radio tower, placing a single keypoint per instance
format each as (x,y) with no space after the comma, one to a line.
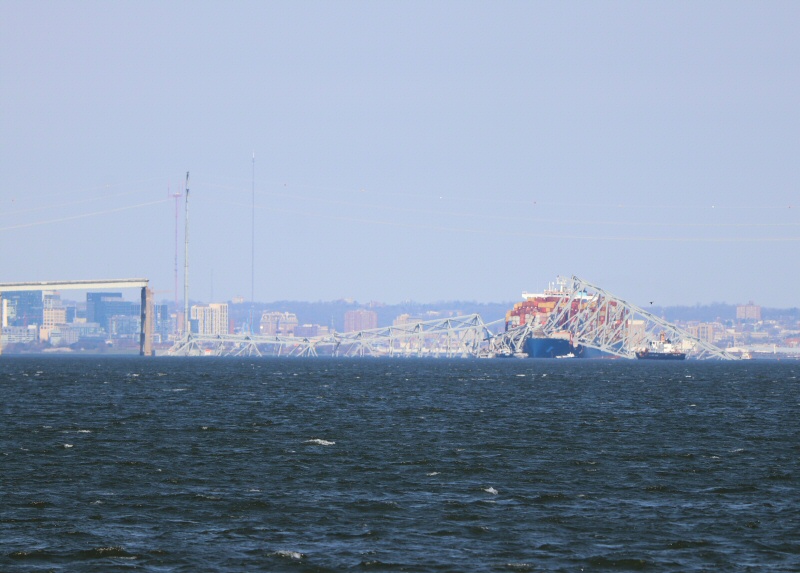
(186,262)
(177,195)
(253,247)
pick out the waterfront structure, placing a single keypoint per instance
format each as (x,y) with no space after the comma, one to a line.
(20,335)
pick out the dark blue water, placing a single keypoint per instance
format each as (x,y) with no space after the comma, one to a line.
(398,465)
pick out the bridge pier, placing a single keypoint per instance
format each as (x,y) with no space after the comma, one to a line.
(2,321)
(146,316)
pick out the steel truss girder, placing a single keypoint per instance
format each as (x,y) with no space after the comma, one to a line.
(450,337)
(512,341)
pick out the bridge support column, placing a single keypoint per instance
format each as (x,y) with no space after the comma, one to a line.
(146,333)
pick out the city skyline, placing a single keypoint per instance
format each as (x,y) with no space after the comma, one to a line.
(41,321)
(405,152)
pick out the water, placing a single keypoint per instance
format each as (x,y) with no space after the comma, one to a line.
(398,465)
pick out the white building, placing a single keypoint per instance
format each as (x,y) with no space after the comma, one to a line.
(53,314)
(211,319)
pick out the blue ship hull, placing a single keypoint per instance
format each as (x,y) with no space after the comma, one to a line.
(547,347)
(555,347)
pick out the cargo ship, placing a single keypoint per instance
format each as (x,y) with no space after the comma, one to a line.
(551,340)
(535,309)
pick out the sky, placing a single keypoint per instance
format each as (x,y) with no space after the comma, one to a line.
(395,151)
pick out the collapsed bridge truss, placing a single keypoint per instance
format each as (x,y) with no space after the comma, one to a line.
(461,336)
(588,315)
(594,318)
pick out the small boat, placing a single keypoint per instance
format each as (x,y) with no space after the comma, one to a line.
(662,349)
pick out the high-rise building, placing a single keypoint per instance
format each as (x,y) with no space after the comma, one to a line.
(23,308)
(749,311)
(124,326)
(706,331)
(101,307)
(53,315)
(162,322)
(211,319)
(360,319)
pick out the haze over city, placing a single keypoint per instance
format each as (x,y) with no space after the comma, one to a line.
(405,151)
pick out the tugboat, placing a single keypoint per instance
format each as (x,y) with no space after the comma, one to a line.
(660,350)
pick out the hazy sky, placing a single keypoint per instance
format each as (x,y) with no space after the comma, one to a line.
(406,150)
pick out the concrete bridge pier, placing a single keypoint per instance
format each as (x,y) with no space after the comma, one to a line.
(146,332)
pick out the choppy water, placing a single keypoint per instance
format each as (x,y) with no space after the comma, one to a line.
(405,465)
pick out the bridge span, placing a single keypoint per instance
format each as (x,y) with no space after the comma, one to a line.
(462,336)
(588,315)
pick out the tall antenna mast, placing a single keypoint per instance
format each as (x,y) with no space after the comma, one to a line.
(186,262)
(176,196)
(253,246)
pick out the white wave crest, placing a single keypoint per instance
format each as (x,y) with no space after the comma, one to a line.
(319,442)
(289,554)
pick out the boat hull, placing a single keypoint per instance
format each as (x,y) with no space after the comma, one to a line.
(560,348)
(548,347)
(661,356)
